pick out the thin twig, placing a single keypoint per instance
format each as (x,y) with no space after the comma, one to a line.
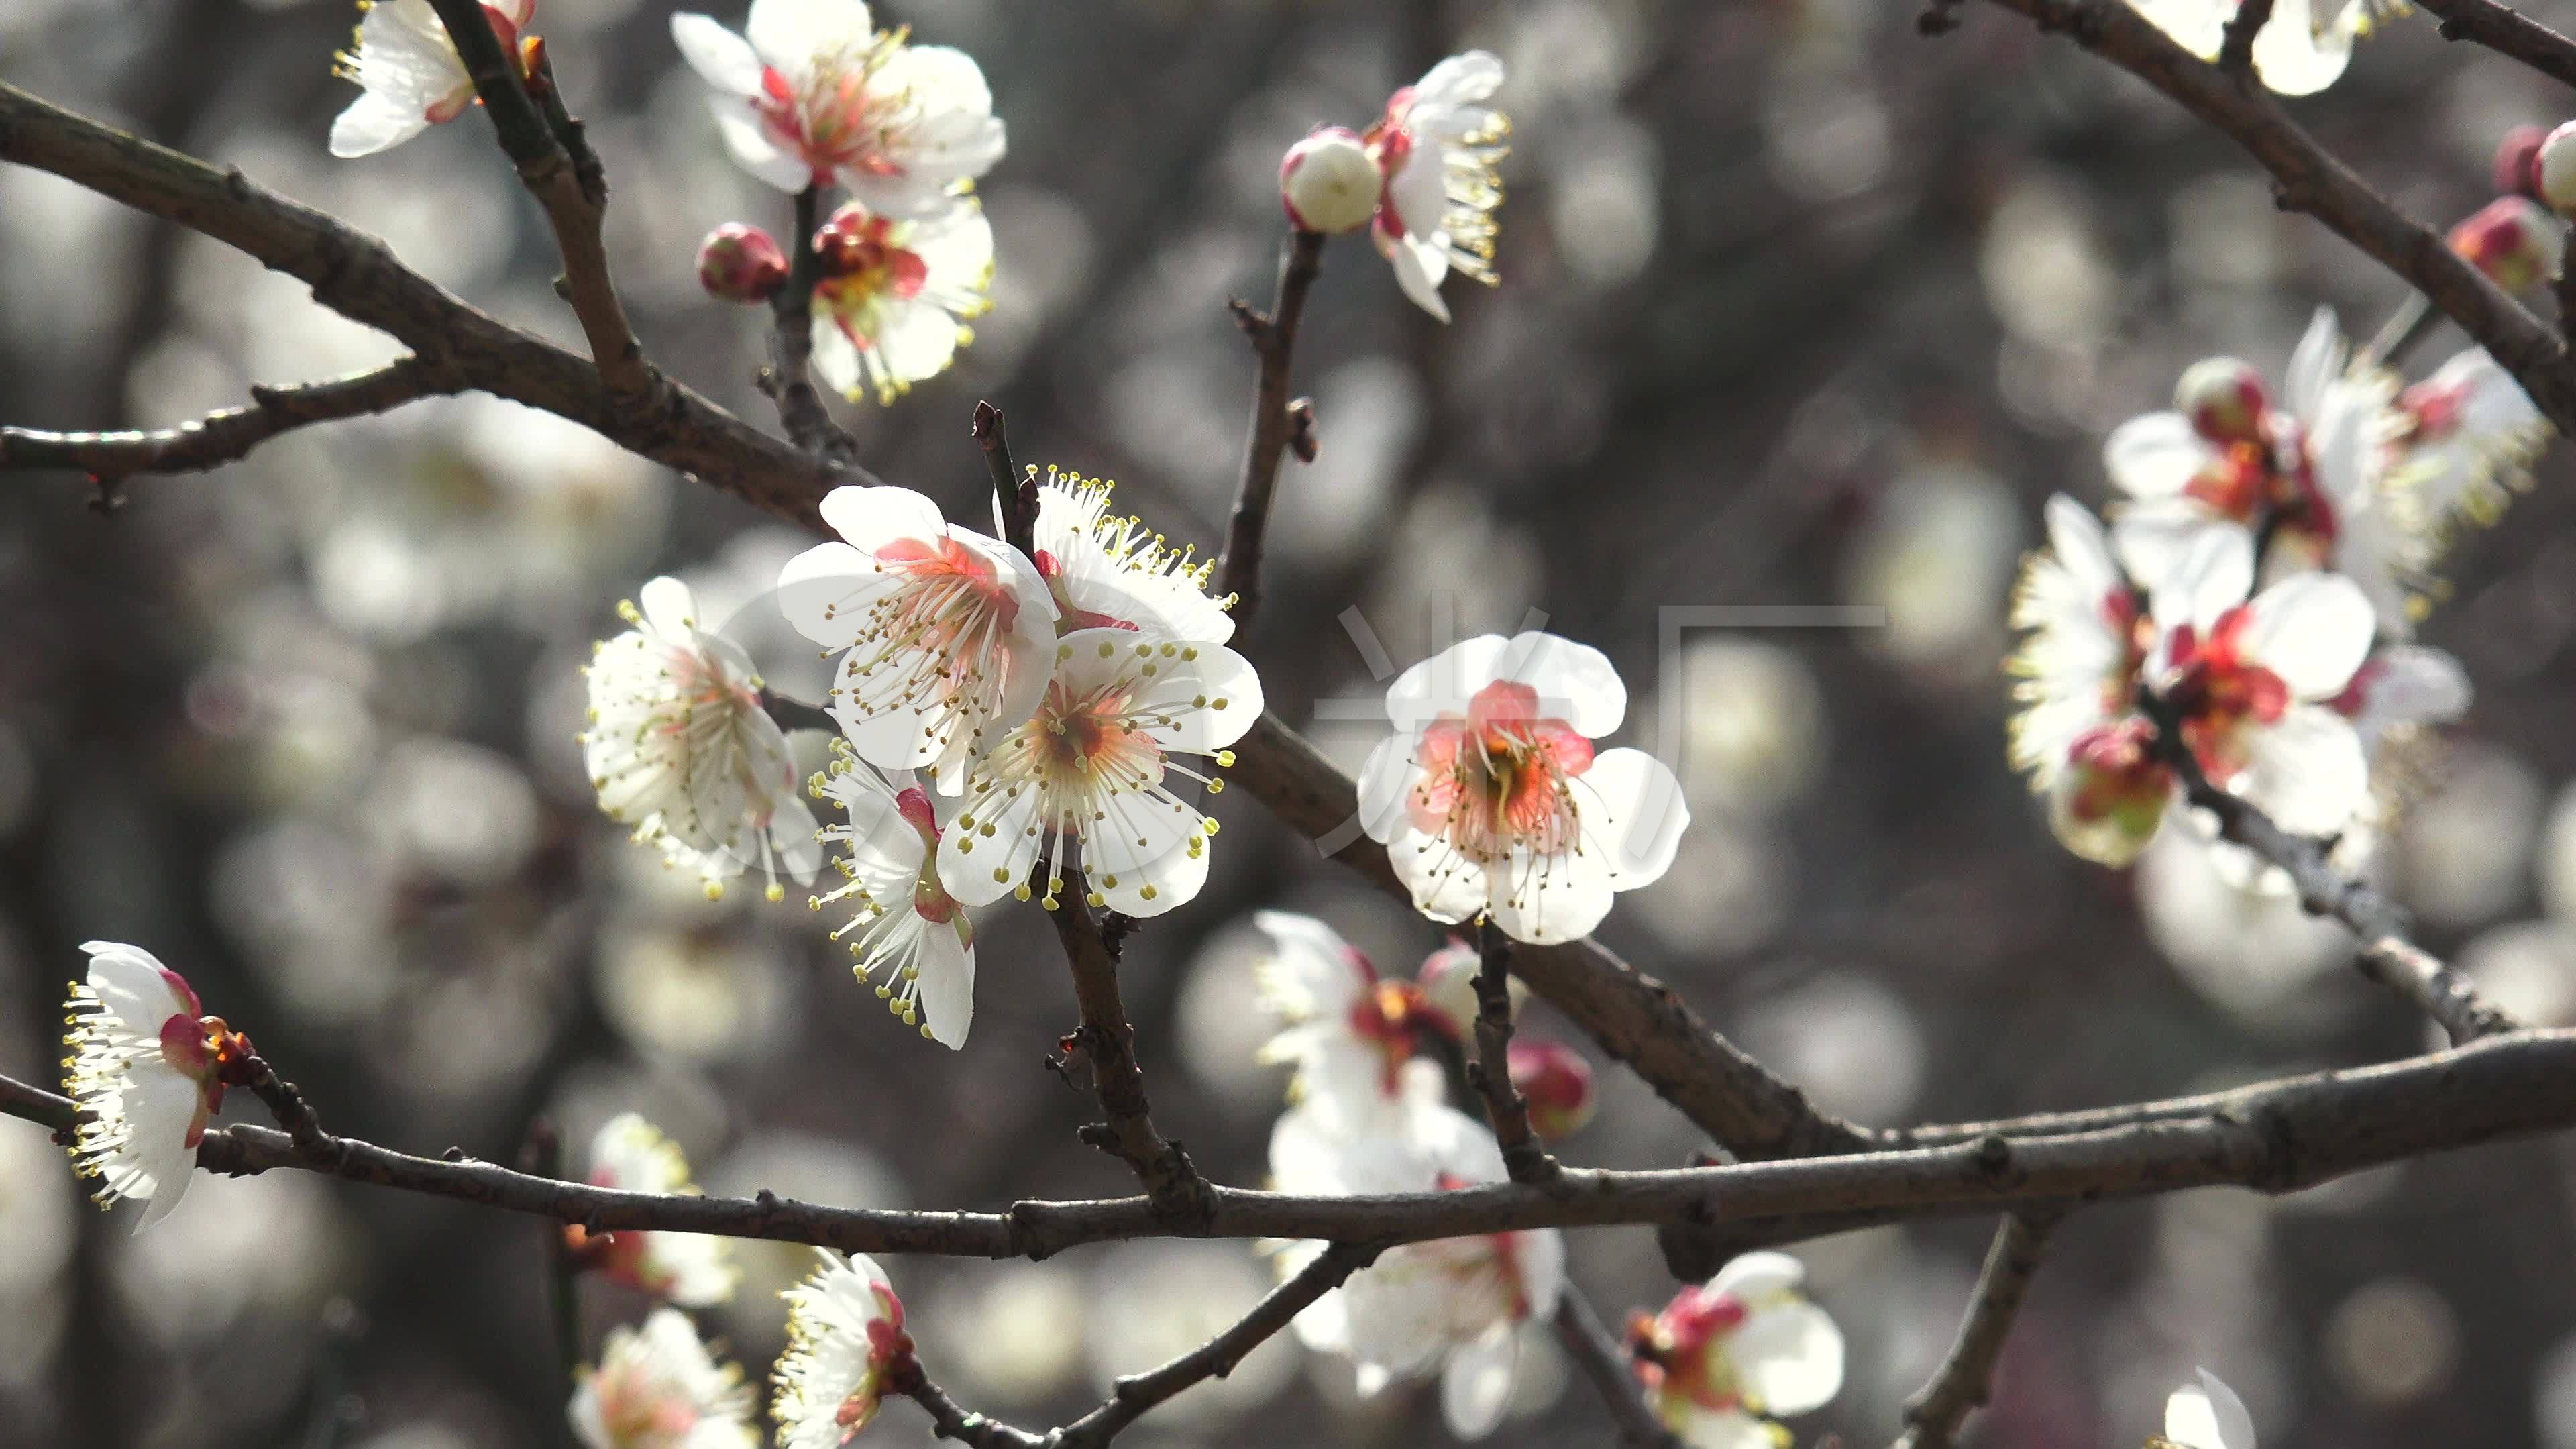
(1490,1073)
(1109,1043)
(789,380)
(287,1104)
(1274,346)
(2236,43)
(542,1155)
(951,1420)
(1015,494)
(1966,1375)
(226,436)
(2508,32)
(1602,1361)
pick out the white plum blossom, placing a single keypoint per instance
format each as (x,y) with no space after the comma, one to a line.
(812,93)
(1726,1355)
(1436,149)
(1351,1033)
(2303,48)
(895,295)
(946,637)
(1109,570)
(2464,443)
(409,74)
(1491,800)
(656,1387)
(845,1344)
(680,748)
(141,1061)
(910,930)
(1095,764)
(1453,1306)
(2206,1414)
(693,1270)
(2087,635)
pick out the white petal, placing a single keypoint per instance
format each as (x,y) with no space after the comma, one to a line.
(374,123)
(1443,885)
(2313,630)
(1477,1385)
(1443,683)
(1419,190)
(764,158)
(2154,456)
(2154,537)
(970,861)
(1574,682)
(1385,776)
(1460,80)
(947,984)
(1726,1429)
(1543,901)
(791,34)
(1419,268)
(915,339)
(1633,813)
(134,987)
(1758,1277)
(1311,971)
(723,59)
(2208,1415)
(2318,359)
(1790,1357)
(2307,771)
(2075,536)
(160,1108)
(868,519)
(2211,579)
(1175,877)
(1542,1267)
(2295,56)
(824,592)
(836,357)
(2412,684)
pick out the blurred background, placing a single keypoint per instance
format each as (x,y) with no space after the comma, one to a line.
(1797,307)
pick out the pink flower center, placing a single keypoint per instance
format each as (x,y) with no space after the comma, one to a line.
(2220,693)
(637,1409)
(1392,1016)
(2117,775)
(1498,777)
(828,126)
(1390,144)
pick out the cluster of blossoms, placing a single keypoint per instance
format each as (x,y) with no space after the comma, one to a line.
(2349,485)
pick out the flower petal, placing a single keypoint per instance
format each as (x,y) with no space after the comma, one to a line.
(1477,1385)
(947,984)
(1789,1357)
(2313,630)
(1574,682)
(721,58)
(2307,772)
(2154,456)
(375,122)
(1633,813)
(2208,1415)
(792,34)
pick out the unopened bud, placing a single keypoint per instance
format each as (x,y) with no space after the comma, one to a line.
(1448,982)
(2224,398)
(2517,159)
(1558,1083)
(2512,240)
(2553,170)
(1327,182)
(738,263)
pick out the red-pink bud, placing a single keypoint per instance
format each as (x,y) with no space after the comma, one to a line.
(2517,159)
(1558,1083)
(2224,398)
(1328,182)
(739,263)
(2512,240)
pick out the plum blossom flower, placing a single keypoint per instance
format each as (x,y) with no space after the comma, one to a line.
(690,1269)
(1726,1355)
(2303,48)
(846,1349)
(656,1387)
(1490,798)
(1453,1306)
(409,74)
(143,1064)
(909,927)
(1094,764)
(1110,571)
(945,636)
(2087,635)
(1436,148)
(2206,1415)
(2464,443)
(896,291)
(1352,1033)
(813,93)
(680,748)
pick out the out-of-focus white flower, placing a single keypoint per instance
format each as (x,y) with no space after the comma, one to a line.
(657,1387)
(1557,1082)
(1094,764)
(812,93)
(690,1269)
(141,1062)
(945,636)
(1490,798)
(1437,146)
(2302,50)
(1111,571)
(1329,182)
(1351,1032)
(2078,667)
(845,1339)
(1725,1355)
(895,295)
(2207,1415)
(409,74)
(680,748)
(1453,1306)
(2463,445)
(2513,240)
(908,925)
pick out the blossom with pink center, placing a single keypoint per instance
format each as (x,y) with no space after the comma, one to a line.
(2303,48)
(845,1349)
(1491,799)
(2205,1414)
(1109,570)
(1556,1082)
(1454,1306)
(2087,633)
(812,93)
(1094,766)
(409,74)
(910,931)
(1436,149)
(1352,1033)
(896,291)
(141,1061)
(680,748)
(693,1270)
(946,637)
(657,1387)
(1726,1355)
(2462,446)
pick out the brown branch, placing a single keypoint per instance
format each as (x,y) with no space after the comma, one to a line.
(789,380)
(1106,1039)
(1015,494)
(286,1103)
(1490,1073)
(223,437)
(2508,32)
(2236,42)
(1606,1366)
(1274,345)
(951,1420)
(1966,1375)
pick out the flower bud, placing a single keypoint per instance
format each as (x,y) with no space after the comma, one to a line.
(1327,182)
(1558,1083)
(2224,398)
(2553,170)
(738,263)
(2512,240)
(1448,981)
(2110,800)
(2517,158)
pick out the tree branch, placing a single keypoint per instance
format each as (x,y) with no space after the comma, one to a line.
(1966,1375)
(1015,494)
(1490,1073)
(950,1420)
(2508,32)
(1274,345)
(790,378)
(223,437)
(1179,1194)
(2236,43)
(1606,1366)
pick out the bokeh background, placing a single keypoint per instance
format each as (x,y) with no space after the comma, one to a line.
(1797,308)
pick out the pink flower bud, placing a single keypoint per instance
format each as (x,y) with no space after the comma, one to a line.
(1327,182)
(738,263)
(2553,170)
(2517,161)
(2512,240)
(2224,398)
(1558,1083)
